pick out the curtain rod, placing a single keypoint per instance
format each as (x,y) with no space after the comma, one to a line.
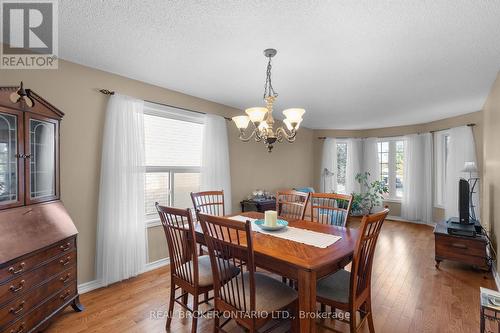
(110,92)
(391,136)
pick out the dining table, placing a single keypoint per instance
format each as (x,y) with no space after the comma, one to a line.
(300,262)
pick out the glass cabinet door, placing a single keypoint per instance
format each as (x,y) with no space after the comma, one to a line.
(9,162)
(42,159)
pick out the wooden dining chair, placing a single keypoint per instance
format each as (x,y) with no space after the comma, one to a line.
(350,292)
(250,297)
(209,202)
(330,208)
(188,271)
(291,204)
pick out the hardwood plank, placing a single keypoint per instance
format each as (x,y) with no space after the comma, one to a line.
(409,294)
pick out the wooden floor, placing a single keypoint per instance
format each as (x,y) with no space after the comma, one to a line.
(409,294)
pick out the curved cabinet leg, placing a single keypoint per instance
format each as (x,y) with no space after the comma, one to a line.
(76,305)
(438,261)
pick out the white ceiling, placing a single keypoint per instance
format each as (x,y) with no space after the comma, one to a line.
(350,64)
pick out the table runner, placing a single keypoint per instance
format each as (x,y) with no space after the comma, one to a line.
(299,235)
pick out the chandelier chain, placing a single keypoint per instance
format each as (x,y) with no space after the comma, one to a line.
(268,87)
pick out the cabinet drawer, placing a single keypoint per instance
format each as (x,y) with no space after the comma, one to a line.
(460,246)
(19,306)
(30,320)
(20,285)
(19,267)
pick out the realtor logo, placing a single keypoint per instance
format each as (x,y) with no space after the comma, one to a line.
(29,34)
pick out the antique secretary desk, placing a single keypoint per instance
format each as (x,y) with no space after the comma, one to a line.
(37,236)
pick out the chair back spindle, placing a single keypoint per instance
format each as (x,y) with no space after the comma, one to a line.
(364,251)
(209,202)
(330,208)
(291,204)
(180,234)
(230,243)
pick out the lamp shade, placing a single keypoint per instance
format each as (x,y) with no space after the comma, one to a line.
(294,115)
(289,125)
(257,114)
(470,167)
(241,121)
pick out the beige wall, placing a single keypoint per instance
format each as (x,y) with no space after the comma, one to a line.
(474,117)
(491,168)
(73,89)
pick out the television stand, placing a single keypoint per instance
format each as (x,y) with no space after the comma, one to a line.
(459,248)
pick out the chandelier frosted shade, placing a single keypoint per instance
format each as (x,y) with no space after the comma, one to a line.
(289,125)
(256,114)
(241,122)
(294,115)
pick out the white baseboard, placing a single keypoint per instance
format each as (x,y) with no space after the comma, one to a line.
(96,284)
(399,218)
(156,264)
(89,286)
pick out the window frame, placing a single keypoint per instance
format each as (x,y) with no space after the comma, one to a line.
(391,161)
(169,112)
(341,142)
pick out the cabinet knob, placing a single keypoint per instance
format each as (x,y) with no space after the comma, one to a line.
(65,247)
(13,270)
(66,261)
(66,278)
(17,288)
(20,329)
(19,309)
(65,295)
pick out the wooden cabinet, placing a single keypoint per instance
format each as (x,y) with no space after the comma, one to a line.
(38,244)
(467,250)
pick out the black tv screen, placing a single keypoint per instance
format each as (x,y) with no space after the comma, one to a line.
(463,201)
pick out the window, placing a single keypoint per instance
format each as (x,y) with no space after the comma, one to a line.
(391,158)
(441,149)
(173,143)
(341,166)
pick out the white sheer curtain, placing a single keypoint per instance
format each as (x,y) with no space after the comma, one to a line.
(215,168)
(416,204)
(371,162)
(353,165)
(328,166)
(461,149)
(121,235)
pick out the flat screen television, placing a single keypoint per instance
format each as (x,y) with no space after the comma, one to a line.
(463,202)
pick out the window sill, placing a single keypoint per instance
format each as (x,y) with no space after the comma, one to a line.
(392,200)
(152,223)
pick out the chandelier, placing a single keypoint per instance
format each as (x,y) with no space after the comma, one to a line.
(262,117)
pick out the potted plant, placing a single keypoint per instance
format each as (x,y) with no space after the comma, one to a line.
(371,196)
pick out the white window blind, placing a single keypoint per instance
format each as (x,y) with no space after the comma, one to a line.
(172,142)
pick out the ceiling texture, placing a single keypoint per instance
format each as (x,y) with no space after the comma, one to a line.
(350,64)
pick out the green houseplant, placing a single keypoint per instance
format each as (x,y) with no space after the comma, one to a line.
(372,194)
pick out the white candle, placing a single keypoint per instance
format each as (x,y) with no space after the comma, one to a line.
(271,218)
